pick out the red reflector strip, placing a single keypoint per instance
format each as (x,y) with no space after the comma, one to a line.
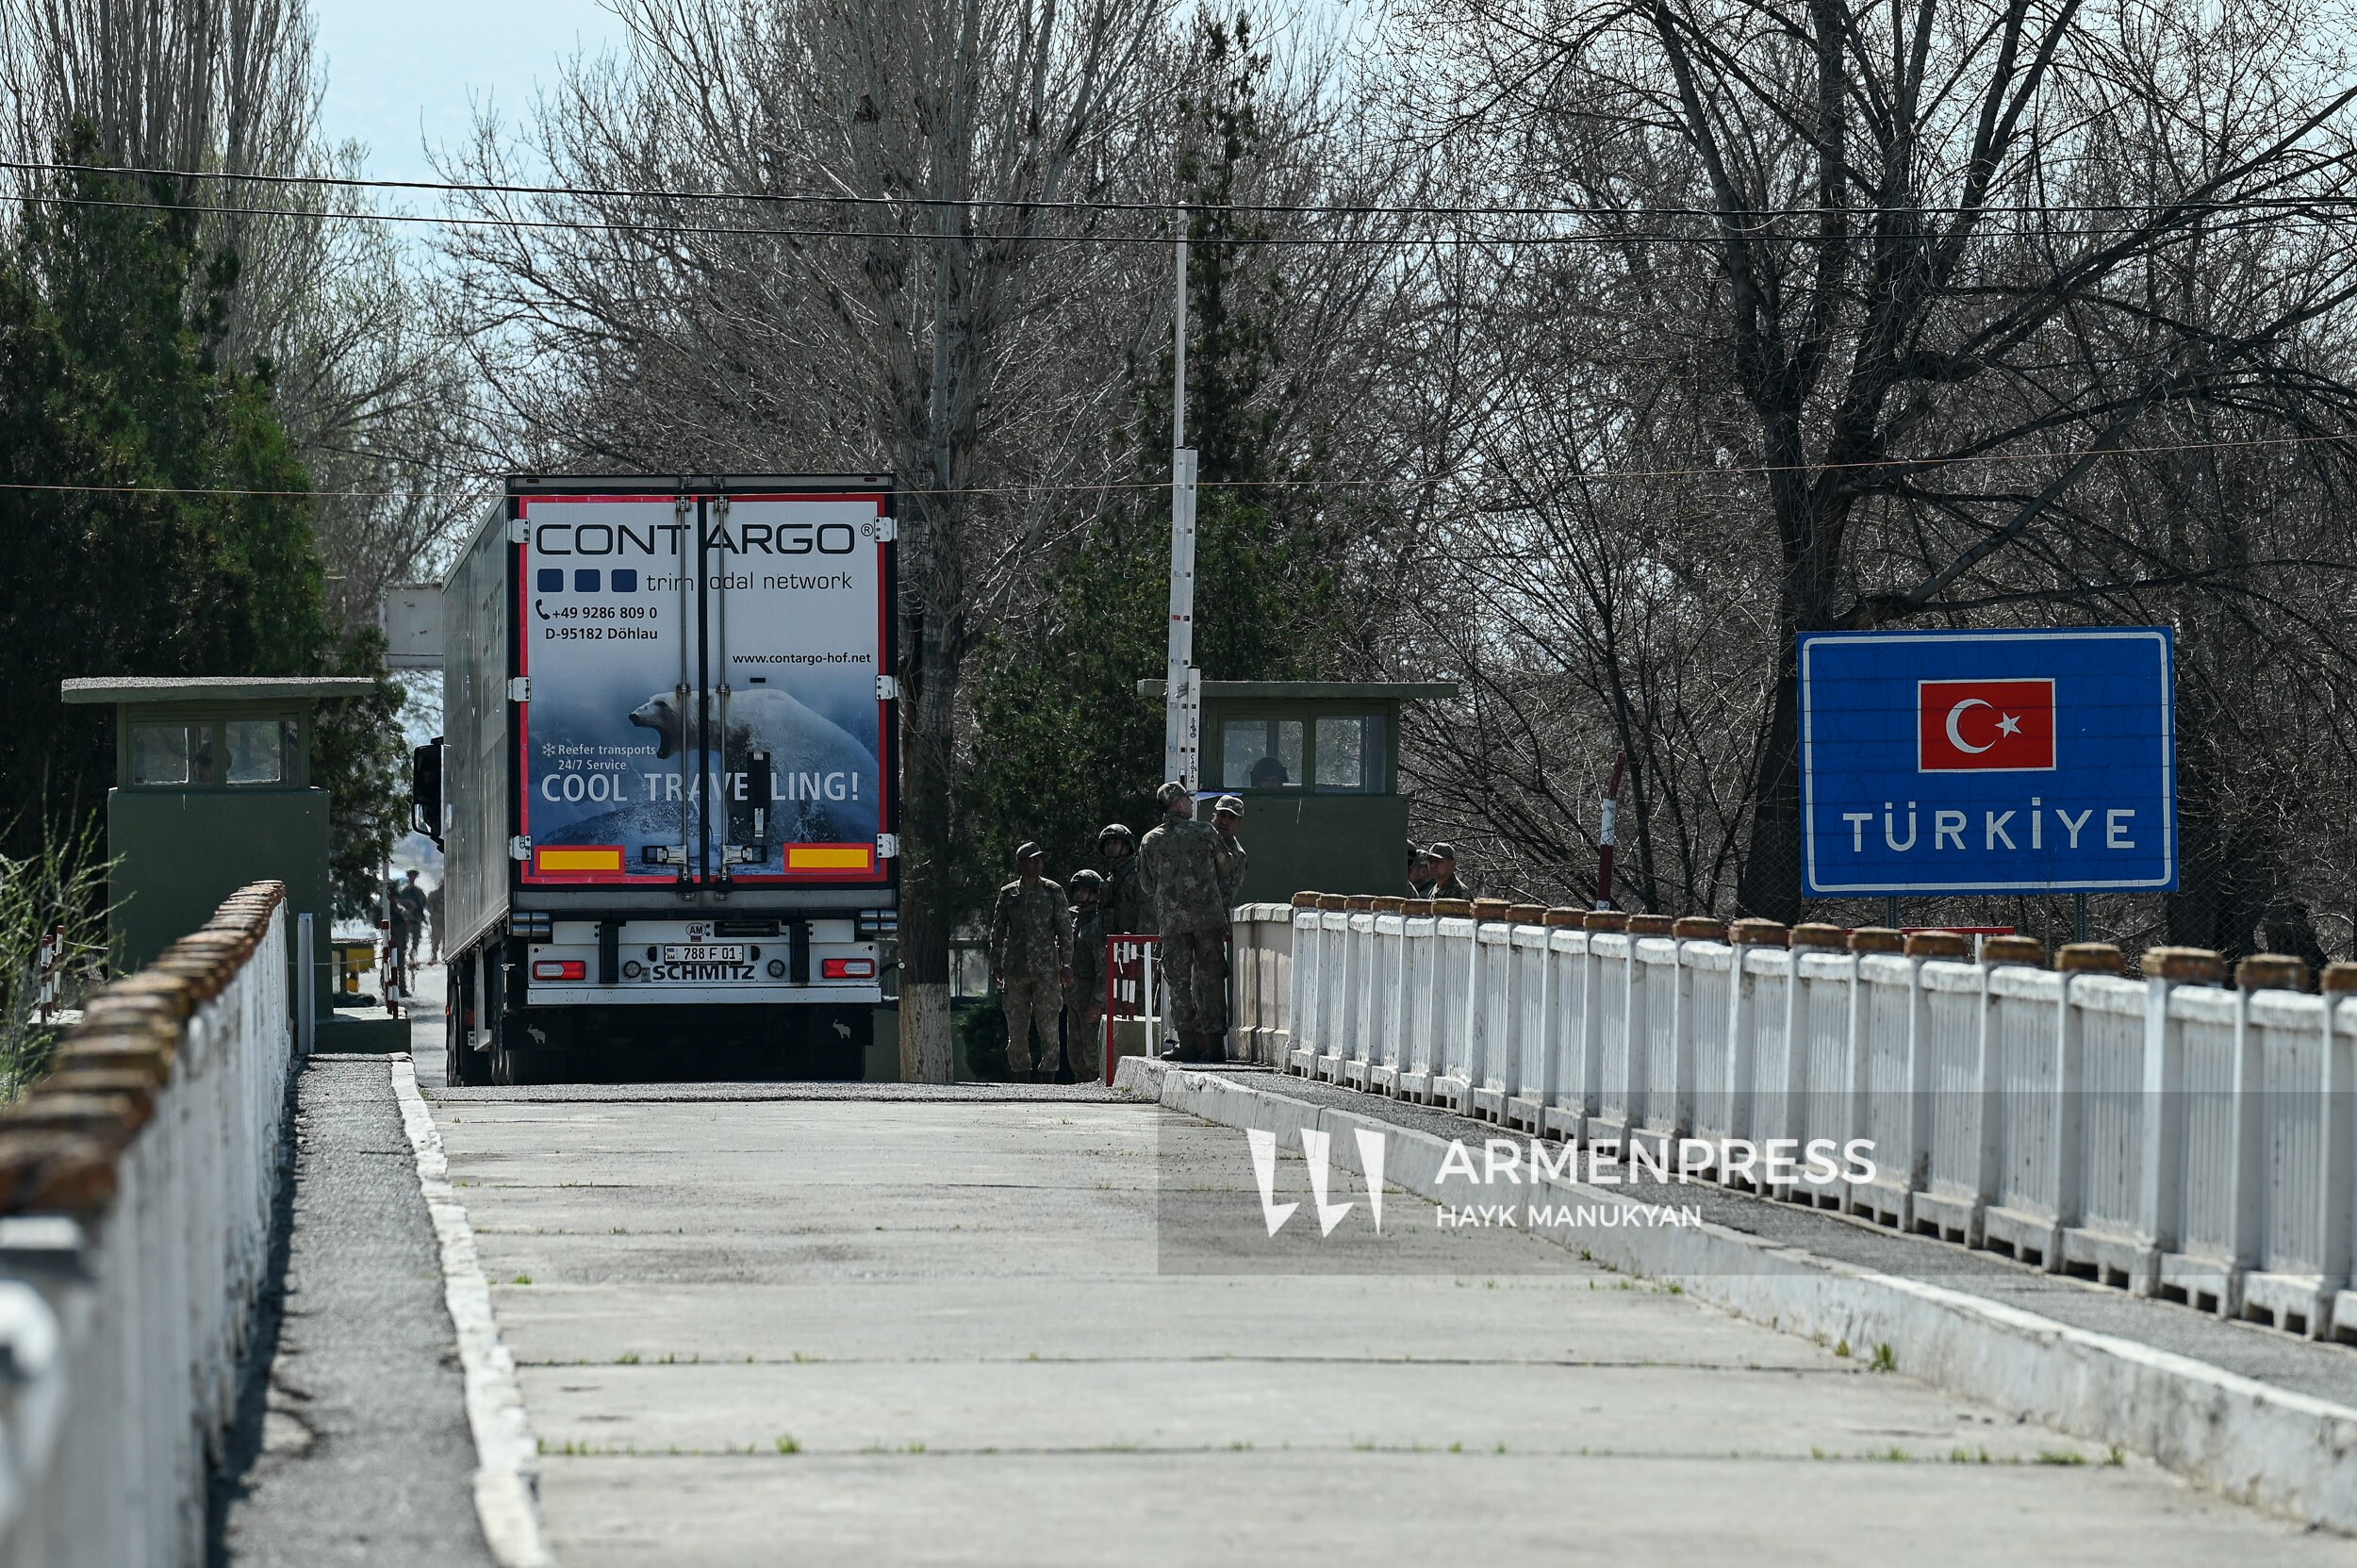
(846,968)
(549,969)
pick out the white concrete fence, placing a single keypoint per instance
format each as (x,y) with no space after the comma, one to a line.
(2164,1134)
(135,1185)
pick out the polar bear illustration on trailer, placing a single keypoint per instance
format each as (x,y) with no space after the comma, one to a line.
(823,781)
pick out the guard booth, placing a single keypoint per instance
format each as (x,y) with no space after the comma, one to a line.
(1316,763)
(213,792)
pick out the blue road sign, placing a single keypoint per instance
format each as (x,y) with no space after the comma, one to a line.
(1988,762)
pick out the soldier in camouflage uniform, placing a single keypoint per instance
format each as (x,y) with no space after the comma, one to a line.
(1084,999)
(1225,818)
(1447,883)
(1184,867)
(1031,962)
(1126,912)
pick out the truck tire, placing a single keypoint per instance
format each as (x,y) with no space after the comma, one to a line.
(466,1068)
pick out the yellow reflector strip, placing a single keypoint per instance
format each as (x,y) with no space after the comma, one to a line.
(828,857)
(602,857)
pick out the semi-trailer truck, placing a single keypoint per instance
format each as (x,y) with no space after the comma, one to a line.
(665,788)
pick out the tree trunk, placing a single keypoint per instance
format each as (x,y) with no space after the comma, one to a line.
(927,1050)
(932,621)
(1769,886)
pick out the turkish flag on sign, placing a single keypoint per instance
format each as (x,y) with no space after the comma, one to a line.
(1972,725)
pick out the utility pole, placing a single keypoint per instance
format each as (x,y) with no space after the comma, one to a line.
(1183,686)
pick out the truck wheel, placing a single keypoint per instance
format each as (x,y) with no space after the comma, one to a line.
(468,1069)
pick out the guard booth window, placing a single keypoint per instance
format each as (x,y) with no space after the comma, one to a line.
(259,749)
(242,754)
(172,754)
(1350,755)
(1261,754)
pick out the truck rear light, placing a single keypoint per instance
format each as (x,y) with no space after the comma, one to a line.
(846,968)
(559,968)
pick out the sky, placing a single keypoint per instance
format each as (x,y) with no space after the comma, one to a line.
(400,68)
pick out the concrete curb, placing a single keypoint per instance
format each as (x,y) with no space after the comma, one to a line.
(2284,1452)
(507,1465)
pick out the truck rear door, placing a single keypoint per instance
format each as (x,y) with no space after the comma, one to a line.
(706,689)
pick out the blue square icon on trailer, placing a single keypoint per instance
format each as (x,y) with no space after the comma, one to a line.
(586,581)
(625,580)
(552,579)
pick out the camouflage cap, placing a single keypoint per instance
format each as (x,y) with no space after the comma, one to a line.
(1084,877)
(1230,803)
(1116,830)
(1172,793)
(1027,850)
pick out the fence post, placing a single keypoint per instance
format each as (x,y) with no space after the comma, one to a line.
(2338,984)
(1742,1019)
(2249,1166)
(2071,1072)
(1308,954)
(2164,969)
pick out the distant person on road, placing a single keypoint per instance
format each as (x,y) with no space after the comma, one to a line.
(1419,873)
(1084,999)
(433,922)
(411,914)
(1183,867)
(1030,963)
(1447,883)
(1125,911)
(1225,818)
(396,921)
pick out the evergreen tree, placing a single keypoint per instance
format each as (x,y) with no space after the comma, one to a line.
(158,520)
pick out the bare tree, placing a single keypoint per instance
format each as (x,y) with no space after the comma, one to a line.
(1927,281)
(353,336)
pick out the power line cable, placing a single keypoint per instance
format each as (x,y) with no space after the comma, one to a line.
(1164,208)
(759,232)
(1759,470)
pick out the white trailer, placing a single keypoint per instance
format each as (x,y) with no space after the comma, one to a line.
(666,788)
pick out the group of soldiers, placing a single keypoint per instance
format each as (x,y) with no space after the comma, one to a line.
(1048,952)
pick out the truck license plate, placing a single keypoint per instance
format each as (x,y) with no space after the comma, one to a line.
(703,952)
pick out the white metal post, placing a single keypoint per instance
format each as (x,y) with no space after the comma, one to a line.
(307,1001)
(1180,712)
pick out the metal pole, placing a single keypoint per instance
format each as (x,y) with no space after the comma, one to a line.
(1890,912)
(681,512)
(2078,917)
(307,1001)
(715,763)
(1179,755)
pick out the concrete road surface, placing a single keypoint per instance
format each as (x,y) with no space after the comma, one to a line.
(889,1331)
